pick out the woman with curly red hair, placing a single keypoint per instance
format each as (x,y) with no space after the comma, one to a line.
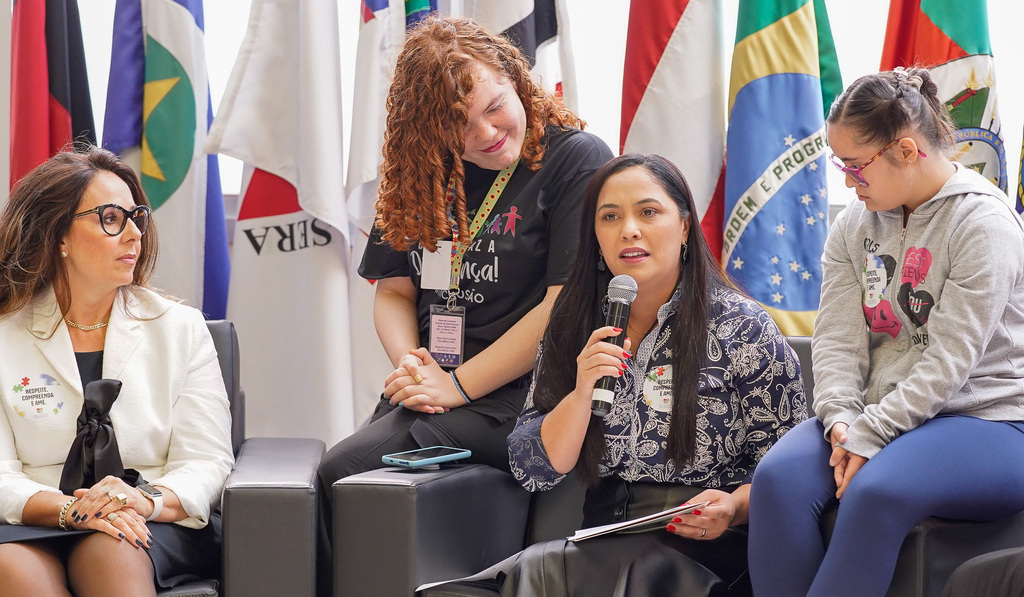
(478,221)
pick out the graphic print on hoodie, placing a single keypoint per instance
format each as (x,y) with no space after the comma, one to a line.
(916,304)
(877,273)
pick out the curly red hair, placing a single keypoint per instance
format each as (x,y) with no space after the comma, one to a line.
(427,114)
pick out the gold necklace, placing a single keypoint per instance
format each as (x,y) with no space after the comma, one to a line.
(641,336)
(85,328)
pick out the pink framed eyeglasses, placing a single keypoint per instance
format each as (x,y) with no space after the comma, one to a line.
(855,171)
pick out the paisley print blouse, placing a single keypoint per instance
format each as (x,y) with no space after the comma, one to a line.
(750,395)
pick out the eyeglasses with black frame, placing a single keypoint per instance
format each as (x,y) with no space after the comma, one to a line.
(855,171)
(113,217)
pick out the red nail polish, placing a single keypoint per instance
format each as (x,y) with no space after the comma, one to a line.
(677,520)
(696,512)
(617,329)
(670,528)
(625,354)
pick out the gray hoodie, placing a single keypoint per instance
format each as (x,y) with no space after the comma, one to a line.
(923,320)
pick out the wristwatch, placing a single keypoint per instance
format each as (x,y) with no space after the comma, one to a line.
(153,494)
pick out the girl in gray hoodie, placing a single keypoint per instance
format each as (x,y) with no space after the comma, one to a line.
(917,353)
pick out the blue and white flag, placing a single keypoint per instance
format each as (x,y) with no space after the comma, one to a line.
(157,116)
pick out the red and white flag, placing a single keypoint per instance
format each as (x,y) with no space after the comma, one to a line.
(673,96)
(281,115)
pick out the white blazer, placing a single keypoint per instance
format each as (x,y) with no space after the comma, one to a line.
(171,418)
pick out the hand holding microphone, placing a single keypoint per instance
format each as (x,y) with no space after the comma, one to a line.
(621,294)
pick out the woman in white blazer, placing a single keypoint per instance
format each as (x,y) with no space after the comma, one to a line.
(77,250)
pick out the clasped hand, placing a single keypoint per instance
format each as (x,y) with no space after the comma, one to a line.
(113,507)
(844,464)
(420,384)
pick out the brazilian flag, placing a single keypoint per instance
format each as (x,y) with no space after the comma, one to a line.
(784,77)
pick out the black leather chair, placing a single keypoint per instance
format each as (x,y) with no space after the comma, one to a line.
(269,504)
(452,523)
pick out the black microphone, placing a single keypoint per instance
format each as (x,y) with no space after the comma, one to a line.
(621,294)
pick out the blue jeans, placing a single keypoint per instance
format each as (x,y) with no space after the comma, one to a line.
(952,466)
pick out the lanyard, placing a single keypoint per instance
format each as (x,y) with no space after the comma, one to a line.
(459,249)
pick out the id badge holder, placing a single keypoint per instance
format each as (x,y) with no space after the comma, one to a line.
(447,332)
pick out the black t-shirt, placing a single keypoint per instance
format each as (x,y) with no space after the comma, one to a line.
(527,244)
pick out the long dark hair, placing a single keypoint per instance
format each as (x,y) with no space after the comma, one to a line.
(39,214)
(577,313)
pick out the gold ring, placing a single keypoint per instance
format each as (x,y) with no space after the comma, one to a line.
(122,499)
(417,378)
(112,517)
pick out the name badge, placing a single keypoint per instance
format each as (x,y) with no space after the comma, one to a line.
(658,388)
(38,397)
(447,330)
(437,267)
(874,281)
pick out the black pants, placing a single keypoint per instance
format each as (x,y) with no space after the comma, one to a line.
(480,427)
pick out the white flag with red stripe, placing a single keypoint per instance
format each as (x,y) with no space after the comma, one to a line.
(381,37)
(281,115)
(673,96)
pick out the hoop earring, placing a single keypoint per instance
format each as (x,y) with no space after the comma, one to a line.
(686,253)
(600,263)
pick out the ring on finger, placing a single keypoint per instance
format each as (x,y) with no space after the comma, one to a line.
(703,532)
(113,516)
(122,499)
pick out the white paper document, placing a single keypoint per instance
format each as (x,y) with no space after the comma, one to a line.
(658,518)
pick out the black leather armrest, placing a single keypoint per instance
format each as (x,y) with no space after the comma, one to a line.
(395,529)
(270,518)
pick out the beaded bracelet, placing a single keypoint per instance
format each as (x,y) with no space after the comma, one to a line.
(62,519)
(458,386)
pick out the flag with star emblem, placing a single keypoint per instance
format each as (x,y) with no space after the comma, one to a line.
(950,38)
(281,115)
(673,105)
(50,104)
(157,115)
(784,77)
